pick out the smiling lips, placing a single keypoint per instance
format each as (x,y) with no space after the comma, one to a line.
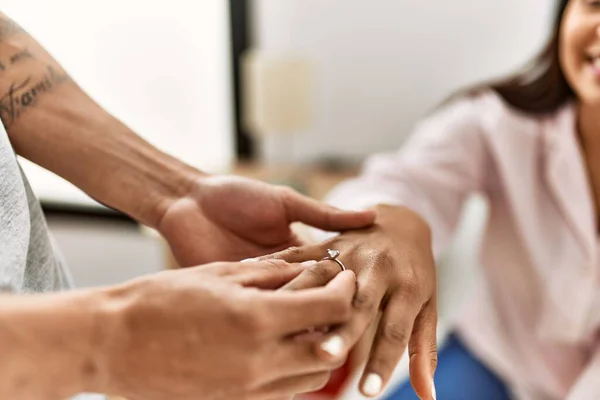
(593,58)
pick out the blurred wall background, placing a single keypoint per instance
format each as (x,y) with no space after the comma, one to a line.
(380,65)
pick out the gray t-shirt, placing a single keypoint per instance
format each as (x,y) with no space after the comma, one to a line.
(29,263)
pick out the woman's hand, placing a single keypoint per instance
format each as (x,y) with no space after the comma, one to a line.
(396,274)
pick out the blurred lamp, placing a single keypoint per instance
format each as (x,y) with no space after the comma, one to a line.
(278,98)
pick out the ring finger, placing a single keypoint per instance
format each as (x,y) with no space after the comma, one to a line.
(316,276)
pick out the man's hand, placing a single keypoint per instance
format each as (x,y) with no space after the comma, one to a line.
(215,332)
(232,218)
(220,332)
(203,218)
(396,274)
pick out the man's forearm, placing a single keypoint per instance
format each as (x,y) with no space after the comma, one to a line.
(49,344)
(53,123)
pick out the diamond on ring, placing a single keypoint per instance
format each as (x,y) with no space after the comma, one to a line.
(333,253)
(333,256)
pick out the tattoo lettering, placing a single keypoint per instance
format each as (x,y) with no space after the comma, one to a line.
(23,95)
(21,55)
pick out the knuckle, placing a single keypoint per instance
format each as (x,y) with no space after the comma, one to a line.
(411,291)
(320,273)
(364,300)
(383,260)
(395,334)
(432,348)
(293,251)
(384,364)
(432,354)
(433,359)
(356,330)
(273,265)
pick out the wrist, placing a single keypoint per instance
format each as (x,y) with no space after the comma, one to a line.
(104,310)
(87,317)
(109,330)
(413,226)
(120,310)
(178,183)
(63,357)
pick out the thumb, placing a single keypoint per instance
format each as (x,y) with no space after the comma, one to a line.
(320,215)
(422,350)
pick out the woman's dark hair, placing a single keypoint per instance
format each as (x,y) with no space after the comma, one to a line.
(541,86)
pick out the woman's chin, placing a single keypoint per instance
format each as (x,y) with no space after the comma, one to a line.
(590,98)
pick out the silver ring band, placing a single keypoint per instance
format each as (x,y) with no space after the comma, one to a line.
(333,256)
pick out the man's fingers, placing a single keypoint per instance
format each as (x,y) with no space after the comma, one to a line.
(314,276)
(391,339)
(422,350)
(288,387)
(268,274)
(294,312)
(221,268)
(319,215)
(297,254)
(296,356)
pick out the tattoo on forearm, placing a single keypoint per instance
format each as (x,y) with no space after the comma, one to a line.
(15,58)
(23,95)
(21,55)
(8,28)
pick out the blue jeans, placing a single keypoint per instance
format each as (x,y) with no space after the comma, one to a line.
(459,376)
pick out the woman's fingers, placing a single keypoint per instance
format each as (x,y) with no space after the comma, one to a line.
(422,350)
(365,307)
(391,339)
(314,275)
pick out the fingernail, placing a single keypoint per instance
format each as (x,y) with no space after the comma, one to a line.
(250,260)
(433,394)
(372,385)
(334,346)
(308,263)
